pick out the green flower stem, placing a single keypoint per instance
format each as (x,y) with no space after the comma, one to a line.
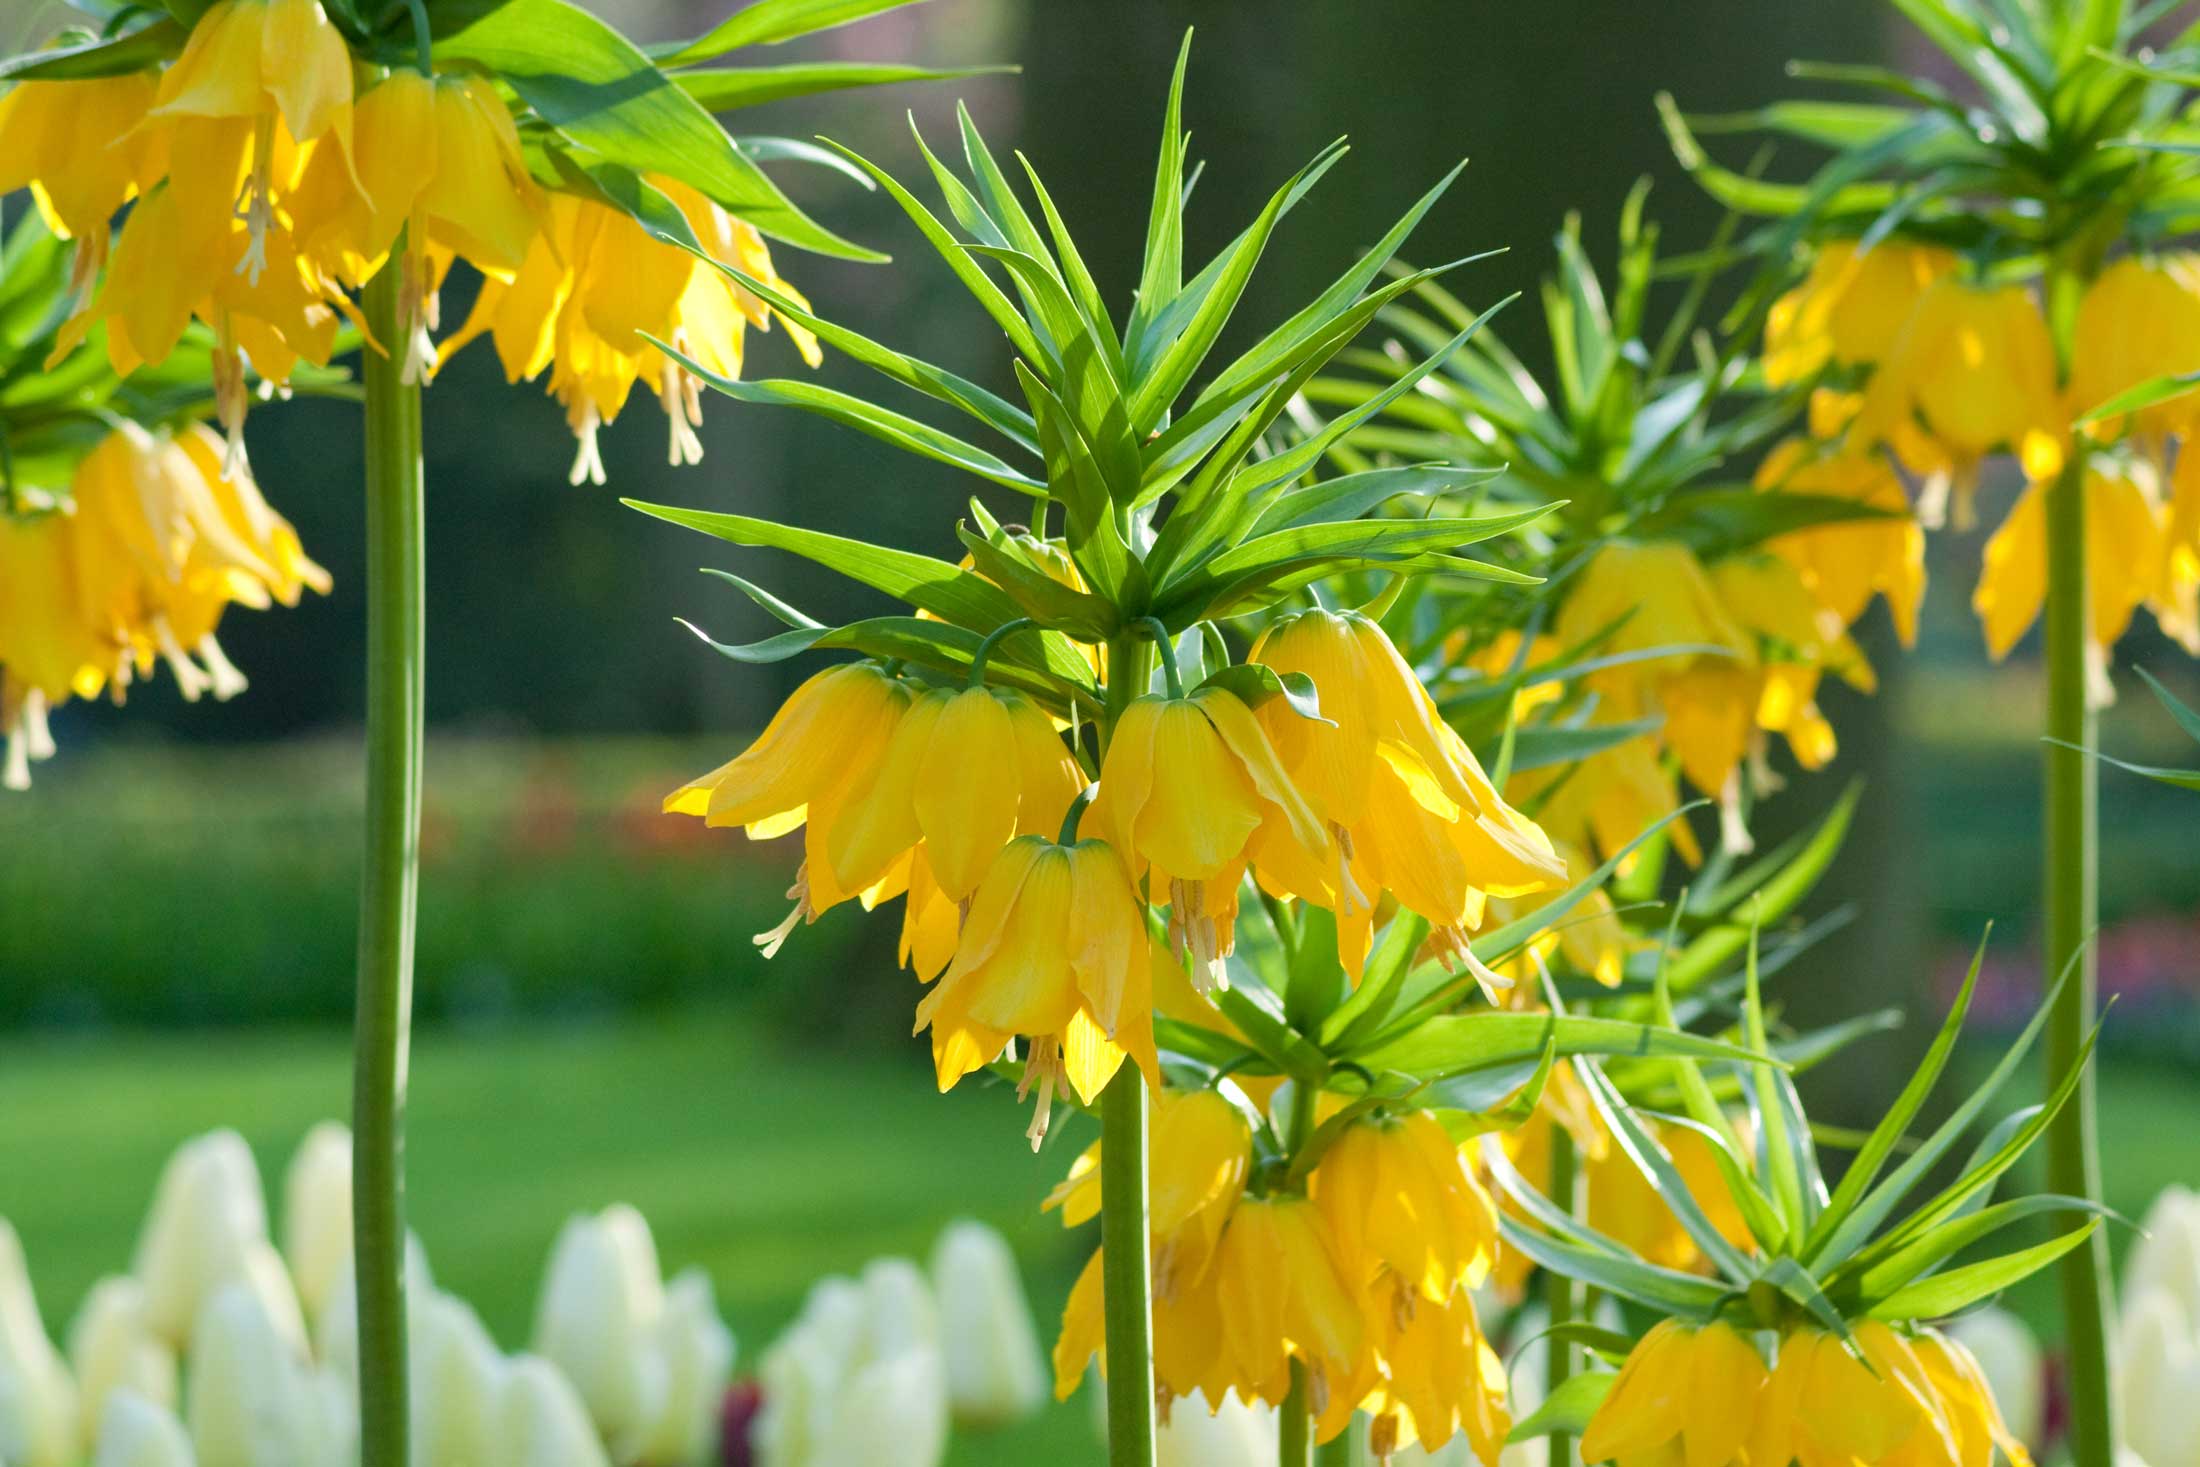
(1127,1264)
(1166,645)
(2072,877)
(1562,1296)
(389,882)
(994,638)
(1295,1439)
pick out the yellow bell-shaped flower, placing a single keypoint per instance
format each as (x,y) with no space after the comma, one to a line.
(1602,803)
(1282,1293)
(1968,1407)
(1439,1378)
(966,771)
(260,59)
(1974,368)
(2124,567)
(81,149)
(1823,1407)
(1055,950)
(1685,1395)
(48,652)
(1196,1163)
(1406,1215)
(800,772)
(2139,319)
(2176,602)
(1848,562)
(1799,638)
(1409,806)
(1191,792)
(1849,309)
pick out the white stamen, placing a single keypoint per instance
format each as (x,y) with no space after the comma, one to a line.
(771,942)
(1763,778)
(2099,691)
(37,733)
(1932,501)
(587,455)
(227,681)
(190,681)
(1043,1073)
(16,773)
(1733,831)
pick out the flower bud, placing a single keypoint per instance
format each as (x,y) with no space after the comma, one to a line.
(136,1432)
(857,1380)
(112,1348)
(1238,1435)
(2009,1356)
(459,1384)
(602,1300)
(317,1214)
(253,1399)
(2166,1259)
(207,1212)
(2157,1379)
(994,1371)
(697,1352)
(902,1316)
(543,1422)
(38,1415)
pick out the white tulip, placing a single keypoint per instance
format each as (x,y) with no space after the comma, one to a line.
(336,1332)
(858,1379)
(137,1432)
(697,1353)
(544,1423)
(890,1413)
(252,1398)
(459,1383)
(995,1372)
(902,1315)
(2157,1380)
(38,1413)
(602,1300)
(1238,1435)
(2008,1353)
(207,1213)
(317,1214)
(112,1348)
(2166,1259)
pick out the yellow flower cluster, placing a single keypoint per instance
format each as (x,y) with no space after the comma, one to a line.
(1706,1396)
(1364,1282)
(1958,369)
(956,799)
(265,184)
(154,545)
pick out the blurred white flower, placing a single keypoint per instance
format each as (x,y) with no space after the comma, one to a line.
(2157,1379)
(2166,1259)
(858,1379)
(253,1399)
(460,1381)
(38,1411)
(207,1214)
(317,1214)
(137,1432)
(543,1422)
(112,1348)
(995,1373)
(697,1350)
(1238,1435)
(2007,1351)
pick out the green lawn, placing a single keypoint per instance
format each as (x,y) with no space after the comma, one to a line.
(767,1167)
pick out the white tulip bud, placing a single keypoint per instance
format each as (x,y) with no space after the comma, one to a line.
(902,1316)
(1238,1435)
(207,1212)
(2009,1356)
(890,1413)
(459,1382)
(995,1372)
(602,1299)
(697,1352)
(858,1379)
(2157,1380)
(544,1423)
(252,1399)
(112,1347)
(336,1332)
(2166,1259)
(38,1413)
(317,1214)
(137,1432)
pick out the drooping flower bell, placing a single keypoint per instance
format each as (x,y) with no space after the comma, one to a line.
(800,772)
(2124,565)
(1282,1292)
(1055,950)
(1848,562)
(81,148)
(1439,1378)
(1408,1218)
(1408,805)
(1798,639)
(435,157)
(2176,604)
(1191,792)
(1974,367)
(2138,320)
(966,771)
(1849,309)
(1684,1394)
(48,651)
(1824,1405)
(1196,1164)
(1603,802)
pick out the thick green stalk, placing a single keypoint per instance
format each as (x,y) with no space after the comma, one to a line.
(1295,1438)
(1127,1267)
(389,881)
(1561,1295)
(2072,878)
